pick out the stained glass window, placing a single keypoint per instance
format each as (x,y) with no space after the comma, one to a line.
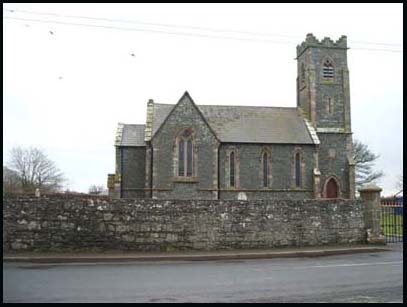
(185,154)
(189,158)
(181,158)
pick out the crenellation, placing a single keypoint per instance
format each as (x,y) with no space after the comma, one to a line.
(312,41)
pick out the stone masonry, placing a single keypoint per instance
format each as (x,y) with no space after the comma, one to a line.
(319,128)
(58,222)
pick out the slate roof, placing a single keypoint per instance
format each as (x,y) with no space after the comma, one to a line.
(257,124)
(234,124)
(130,135)
(248,124)
(160,113)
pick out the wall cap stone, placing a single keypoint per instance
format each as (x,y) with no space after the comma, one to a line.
(370,188)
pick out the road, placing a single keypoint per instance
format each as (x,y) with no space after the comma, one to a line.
(370,277)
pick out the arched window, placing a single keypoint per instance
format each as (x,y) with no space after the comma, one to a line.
(189,158)
(185,154)
(297,170)
(328,70)
(232,163)
(265,170)
(232,169)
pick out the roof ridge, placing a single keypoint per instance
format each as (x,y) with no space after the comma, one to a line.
(188,97)
(244,106)
(245,123)
(166,104)
(229,105)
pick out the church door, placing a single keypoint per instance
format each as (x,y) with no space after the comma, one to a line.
(331,189)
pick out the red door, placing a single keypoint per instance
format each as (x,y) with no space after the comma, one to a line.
(331,189)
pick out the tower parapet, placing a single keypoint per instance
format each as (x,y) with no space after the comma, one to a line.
(312,41)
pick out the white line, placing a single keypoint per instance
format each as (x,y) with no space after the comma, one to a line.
(354,264)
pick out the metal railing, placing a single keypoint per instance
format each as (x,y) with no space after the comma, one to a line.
(392,219)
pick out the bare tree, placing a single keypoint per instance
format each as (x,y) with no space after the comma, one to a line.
(35,170)
(11,181)
(96,189)
(364,161)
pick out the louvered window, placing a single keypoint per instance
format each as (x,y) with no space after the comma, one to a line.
(328,70)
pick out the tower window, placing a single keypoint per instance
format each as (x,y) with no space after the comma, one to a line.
(329,105)
(328,70)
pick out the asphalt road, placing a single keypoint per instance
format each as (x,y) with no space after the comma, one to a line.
(371,277)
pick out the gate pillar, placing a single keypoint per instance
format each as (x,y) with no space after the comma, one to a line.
(372,211)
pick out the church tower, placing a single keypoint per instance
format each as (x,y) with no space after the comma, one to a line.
(323,98)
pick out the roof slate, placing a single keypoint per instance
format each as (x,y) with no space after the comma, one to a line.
(247,124)
(132,135)
(233,124)
(160,113)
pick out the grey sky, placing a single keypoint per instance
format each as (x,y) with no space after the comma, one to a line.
(66,91)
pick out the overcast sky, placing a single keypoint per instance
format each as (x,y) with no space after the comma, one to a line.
(66,84)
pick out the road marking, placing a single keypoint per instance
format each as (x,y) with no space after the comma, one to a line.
(354,264)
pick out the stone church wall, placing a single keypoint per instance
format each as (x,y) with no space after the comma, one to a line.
(66,222)
(282,183)
(165,181)
(333,160)
(133,172)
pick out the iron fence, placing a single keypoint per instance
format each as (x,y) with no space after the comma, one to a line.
(392,219)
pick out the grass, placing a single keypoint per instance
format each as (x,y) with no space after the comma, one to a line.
(392,224)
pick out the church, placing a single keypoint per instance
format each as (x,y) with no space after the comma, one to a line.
(190,151)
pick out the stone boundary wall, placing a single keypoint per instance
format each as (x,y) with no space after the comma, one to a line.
(58,222)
